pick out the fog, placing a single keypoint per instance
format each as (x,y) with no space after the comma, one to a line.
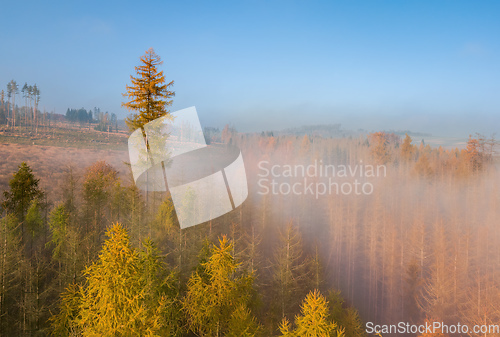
(407,232)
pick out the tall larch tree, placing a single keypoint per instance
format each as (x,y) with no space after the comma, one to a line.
(149,94)
(127,292)
(407,149)
(30,103)
(9,95)
(14,90)
(23,202)
(216,301)
(313,320)
(98,187)
(2,114)
(10,275)
(24,92)
(65,244)
(291,274)
(36,99)
(423,167)
(346,318)
(472,155)
(379,145)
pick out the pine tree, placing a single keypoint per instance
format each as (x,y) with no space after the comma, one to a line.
(24,92)
(58,224)
(423,167)
(32,265)
(216,296)
(305,145)
(407,149)
(412,290)
(34,218)
(69,191)
(242,323)
(149,95)
(36,99)
(23,202)
(317,270)
(66,323)
(2,112)
(379,145)
(98,185)
(347,319)
(10,275)
(64,242)
(127,293)
(9,95)
(167,232)
(23,190)
(291,272)
(473,156)
(313,320)
(12,91)
(134,213)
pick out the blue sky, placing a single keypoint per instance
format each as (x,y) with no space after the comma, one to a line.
(420,65)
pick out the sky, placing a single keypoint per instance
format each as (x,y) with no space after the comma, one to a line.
(427,66)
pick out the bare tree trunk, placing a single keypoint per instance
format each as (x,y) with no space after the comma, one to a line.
(14,109)
(8,113)
(36,118)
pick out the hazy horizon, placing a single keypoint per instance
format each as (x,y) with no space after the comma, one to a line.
(424,66)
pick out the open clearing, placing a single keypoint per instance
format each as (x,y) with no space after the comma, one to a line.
(49,163)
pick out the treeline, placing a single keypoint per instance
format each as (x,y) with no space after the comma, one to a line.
(59,275)
(388,148)
(332,130)
(28,118)
(13,115)
(105,121)
(422,245)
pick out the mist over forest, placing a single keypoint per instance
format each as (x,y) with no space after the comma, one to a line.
(249,169)
(415,242)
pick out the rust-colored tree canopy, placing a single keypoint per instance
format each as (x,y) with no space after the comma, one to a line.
(148,95)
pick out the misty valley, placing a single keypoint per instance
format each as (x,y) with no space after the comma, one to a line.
(83,248)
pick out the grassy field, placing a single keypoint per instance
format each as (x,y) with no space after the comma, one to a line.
(54,150)
(66,135)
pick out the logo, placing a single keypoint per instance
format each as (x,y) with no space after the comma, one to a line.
(205,181)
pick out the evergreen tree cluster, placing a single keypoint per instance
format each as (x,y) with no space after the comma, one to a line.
(104,120)
(81,116)
(97,264)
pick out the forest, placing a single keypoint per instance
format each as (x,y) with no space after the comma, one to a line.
(84,252)
(97,255)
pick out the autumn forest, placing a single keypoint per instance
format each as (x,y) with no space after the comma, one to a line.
(85,252)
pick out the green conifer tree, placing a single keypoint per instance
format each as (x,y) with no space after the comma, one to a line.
(23,190)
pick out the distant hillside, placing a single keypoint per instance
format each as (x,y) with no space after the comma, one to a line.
(410,133)
(337,131)
(326,131)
